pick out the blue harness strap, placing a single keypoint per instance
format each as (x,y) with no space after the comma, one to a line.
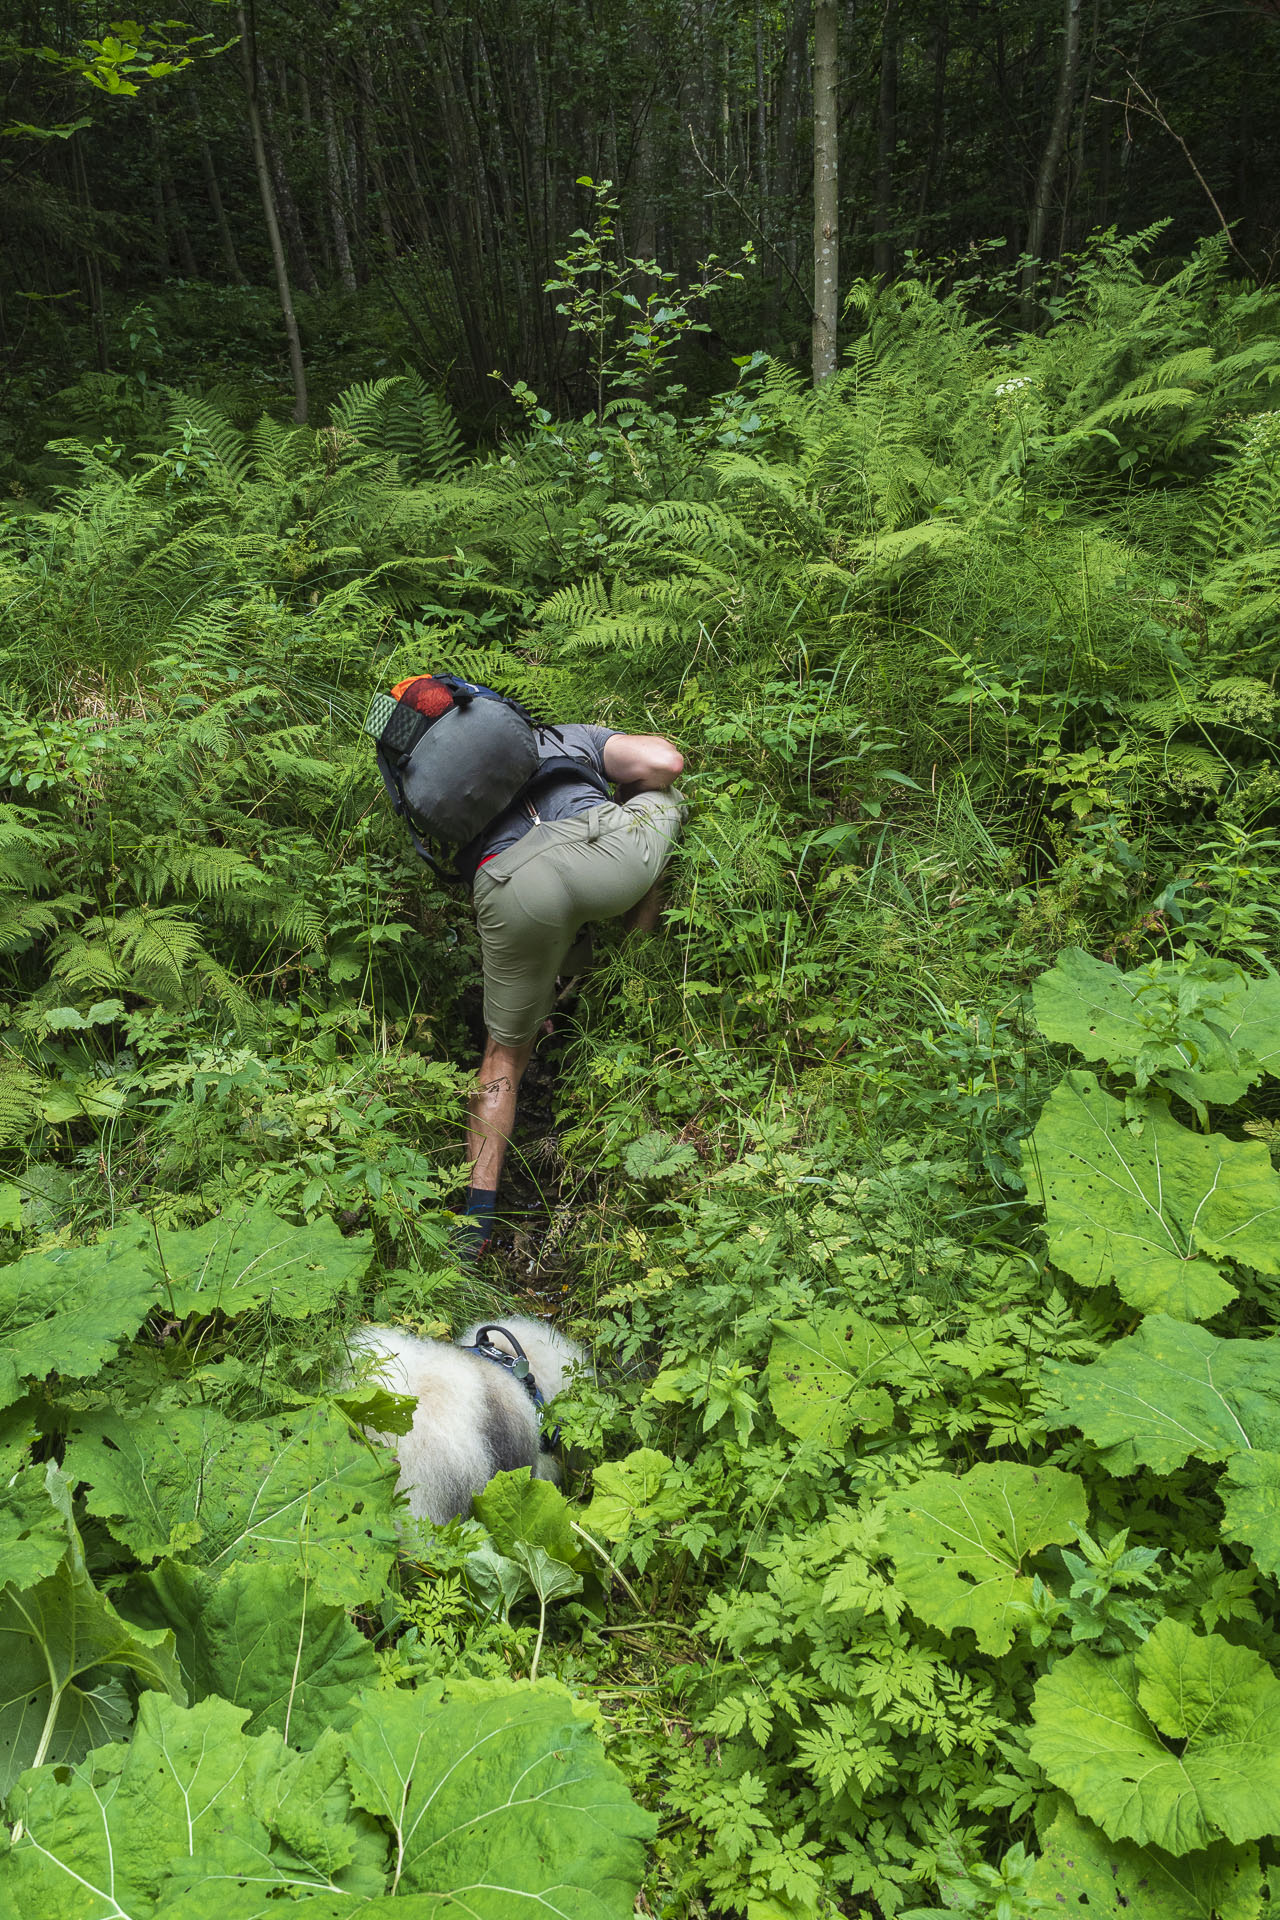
(517,1365)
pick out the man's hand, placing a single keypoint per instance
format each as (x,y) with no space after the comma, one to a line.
(641,763)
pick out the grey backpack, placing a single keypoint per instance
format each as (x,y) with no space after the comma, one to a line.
(453,756)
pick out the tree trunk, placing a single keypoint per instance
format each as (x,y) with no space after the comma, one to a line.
(296,367)
(174,220)
(159,225)
(762,131)
(790,114)
(1055,147)
(284,200)
(939,48)
(825,181)
(230,259)
(883,251)
(333,164)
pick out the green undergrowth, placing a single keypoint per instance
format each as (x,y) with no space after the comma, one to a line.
(915,1189)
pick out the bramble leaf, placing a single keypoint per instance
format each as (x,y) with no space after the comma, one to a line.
(301,1488)
(65,1311)
(1250,1490)
(502,1789)
(961,1544)
(1103,1729)
(1171,1390)
(1154,1215)
(1086,1874)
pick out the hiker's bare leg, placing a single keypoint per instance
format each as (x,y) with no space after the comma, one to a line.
(492,1111)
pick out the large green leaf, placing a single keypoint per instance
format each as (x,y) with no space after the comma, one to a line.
(1155,1215)
(240,1260)
(503,1790)
(259,1638)
(1207,1028)
(1171,1390)
(516,1508)
(191,1483)
(630,1493)
(1085,1874)
(33,1529)
(66,1311)
(826,1376)
(961,1545)
(179,1820)
(64,1651)
(1250,1490)
(1176,1746)
(498,1796)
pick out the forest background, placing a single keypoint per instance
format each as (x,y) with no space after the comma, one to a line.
(881,403)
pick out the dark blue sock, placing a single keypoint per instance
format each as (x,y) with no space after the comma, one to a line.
(476,1218)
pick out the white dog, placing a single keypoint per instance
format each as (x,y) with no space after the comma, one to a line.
(475,1416)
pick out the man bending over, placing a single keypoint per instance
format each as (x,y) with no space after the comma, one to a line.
(554,860)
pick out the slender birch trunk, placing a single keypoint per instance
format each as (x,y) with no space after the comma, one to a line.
(296,366)
(230,258)
(825,181)
(1055,147)
(333,167)
(883,253)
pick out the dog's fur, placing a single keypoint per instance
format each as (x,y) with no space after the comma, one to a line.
(474,1419)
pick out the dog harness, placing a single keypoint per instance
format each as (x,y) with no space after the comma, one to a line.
(516,1364)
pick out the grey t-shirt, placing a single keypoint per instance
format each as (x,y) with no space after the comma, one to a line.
(562,796)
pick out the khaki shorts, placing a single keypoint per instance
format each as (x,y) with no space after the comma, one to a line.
(532,899)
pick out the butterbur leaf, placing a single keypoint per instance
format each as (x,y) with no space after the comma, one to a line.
(174,1824)
(1176,1746)
(1085,1874)
(240,1260)
(548,1579)
(961,1545)
(1154,1215)
(1250,1490)
(516,1507)
(301,1489)
(823,1376)
(17,1430)
(1170,1391)
(501,1789)
(67,1310)
(259,1638)
(33,1531)
(145,1476)
(66,1653)
(1217,1048)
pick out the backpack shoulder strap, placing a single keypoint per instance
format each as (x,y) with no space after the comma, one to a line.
(395,793)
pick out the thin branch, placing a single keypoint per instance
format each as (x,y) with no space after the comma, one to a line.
(728,191)
(1150,109)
